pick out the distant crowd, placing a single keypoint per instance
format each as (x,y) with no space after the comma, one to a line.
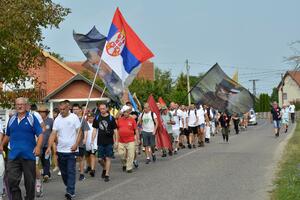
(38,145)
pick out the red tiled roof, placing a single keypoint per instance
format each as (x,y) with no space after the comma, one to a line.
(146,72)
(295,75)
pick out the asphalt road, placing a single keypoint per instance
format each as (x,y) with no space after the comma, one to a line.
(240,170)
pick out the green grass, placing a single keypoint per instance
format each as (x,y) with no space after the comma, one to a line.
(287,182)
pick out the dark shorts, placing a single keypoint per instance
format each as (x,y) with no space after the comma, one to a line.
(105,151)
(193,130)
(88,153)
(81,152)
(184,131)
(148,139)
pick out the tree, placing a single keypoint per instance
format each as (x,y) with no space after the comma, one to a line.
(274,95)
(21,24)
(294,60)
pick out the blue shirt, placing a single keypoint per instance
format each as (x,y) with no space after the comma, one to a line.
(22,136)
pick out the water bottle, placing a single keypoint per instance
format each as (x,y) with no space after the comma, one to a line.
(47,156)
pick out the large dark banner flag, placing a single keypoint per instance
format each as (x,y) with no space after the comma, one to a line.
(162,136)
(219,91)
(92,44)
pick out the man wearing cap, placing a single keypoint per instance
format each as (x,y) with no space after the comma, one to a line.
(45,159)
(126,137)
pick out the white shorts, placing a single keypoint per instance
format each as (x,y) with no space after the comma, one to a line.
(176,133)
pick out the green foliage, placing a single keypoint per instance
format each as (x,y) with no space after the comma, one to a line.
(274,95)
(58,56)
(21,24)
(263,103)
(164,87)
(287,183)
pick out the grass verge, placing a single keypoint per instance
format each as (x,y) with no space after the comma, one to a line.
(287,182)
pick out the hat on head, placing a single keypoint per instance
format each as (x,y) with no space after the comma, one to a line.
(125,108)
(43,108)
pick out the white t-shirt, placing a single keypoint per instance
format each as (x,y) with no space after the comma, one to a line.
(192,118)
(67,131)
(89,139)
(292,108)
(183,115)
(200,115)
(147,122)
(175,116)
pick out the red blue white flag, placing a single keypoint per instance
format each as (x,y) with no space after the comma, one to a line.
(124,51)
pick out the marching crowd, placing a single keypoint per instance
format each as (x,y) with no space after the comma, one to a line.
(35,141)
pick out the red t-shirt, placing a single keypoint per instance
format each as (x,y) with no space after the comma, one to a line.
(126,129)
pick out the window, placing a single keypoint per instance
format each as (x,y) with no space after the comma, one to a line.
(284,96)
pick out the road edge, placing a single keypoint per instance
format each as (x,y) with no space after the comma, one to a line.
(277,157)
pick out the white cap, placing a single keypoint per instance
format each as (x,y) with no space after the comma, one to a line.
(125,108)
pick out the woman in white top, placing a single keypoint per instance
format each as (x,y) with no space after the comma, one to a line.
(90,147)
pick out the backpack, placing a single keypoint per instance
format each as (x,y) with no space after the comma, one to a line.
(110,117)
(151,117)
(190,111)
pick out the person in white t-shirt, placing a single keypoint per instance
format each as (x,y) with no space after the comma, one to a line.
(201,125)
(66,128)
(193,125)
(148,120)
(90,147)
(175,112)
(183,126)
(292,111)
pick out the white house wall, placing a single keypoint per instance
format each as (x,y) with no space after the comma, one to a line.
(291,88)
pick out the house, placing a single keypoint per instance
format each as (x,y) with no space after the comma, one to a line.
(289,88)
(56,81)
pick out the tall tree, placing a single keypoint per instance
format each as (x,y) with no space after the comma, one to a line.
(21,24)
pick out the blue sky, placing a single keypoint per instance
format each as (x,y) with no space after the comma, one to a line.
(252,37)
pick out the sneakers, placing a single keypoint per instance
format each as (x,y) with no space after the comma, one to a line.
(189,146)
(103,173)
(92,173)
(69,196)
(81,177)
(46,178)
(38,190)
(153,157)
(106,178)
(59,173)
(124,168)
(277,134)
(55,169)
(129,171)
(194,146)
(170,153)
(148,161)
(87,170)
(175,152)
(135,163)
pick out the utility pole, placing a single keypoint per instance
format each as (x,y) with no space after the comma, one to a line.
(254,86)
(188,80)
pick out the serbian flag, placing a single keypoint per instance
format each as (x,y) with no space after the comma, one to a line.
(123,51)
(162,137)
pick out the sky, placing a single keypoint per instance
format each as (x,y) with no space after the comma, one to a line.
(252,37)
